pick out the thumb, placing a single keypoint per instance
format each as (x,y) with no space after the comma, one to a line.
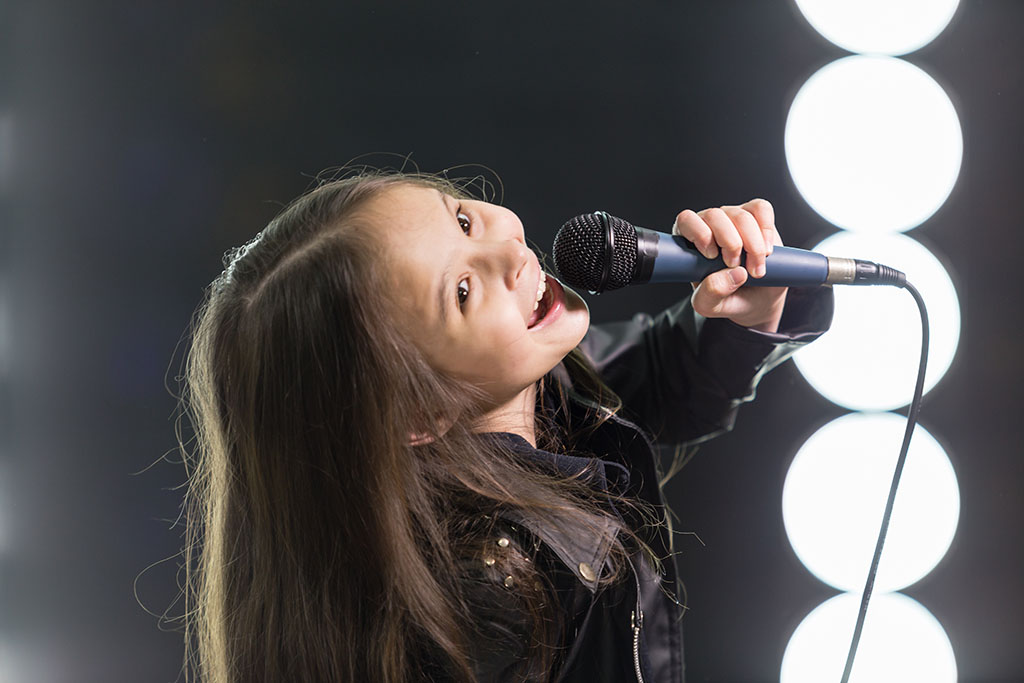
(710,296)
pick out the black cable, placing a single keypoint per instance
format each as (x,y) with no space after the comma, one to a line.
(915,408)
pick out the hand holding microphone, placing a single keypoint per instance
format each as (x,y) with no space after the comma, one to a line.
(598,252)
(732,233)
(734,242)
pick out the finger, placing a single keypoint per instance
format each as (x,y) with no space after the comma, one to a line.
(753,239)
(691,226)
(763,211)
(726,235)
(710,299)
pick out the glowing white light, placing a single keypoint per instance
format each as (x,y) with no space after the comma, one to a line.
(888,27)
(873,144)
(835,493)
(901,642)
(868,359)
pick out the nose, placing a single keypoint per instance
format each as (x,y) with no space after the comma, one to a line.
(505,259)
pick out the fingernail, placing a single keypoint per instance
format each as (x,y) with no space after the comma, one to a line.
(737,275)
(759,271)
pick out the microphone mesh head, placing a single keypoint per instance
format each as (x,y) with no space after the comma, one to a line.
(580,250)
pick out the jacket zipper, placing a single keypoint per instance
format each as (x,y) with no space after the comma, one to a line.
(636,623)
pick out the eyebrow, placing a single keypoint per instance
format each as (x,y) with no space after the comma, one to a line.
(442,290)
(442,293)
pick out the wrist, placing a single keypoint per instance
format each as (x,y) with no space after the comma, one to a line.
(770,320)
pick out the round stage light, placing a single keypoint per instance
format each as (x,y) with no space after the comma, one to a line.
(873,144)
(868,360)
(881,27)
(902,642)
(835,493)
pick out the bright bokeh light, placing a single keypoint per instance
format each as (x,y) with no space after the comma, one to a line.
(902,642)
(873,144)
(868,360)
(835,493)
(885,27)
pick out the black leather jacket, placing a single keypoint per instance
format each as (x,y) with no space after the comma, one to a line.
(682,379)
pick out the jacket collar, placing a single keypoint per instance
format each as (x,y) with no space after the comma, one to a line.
(584,554)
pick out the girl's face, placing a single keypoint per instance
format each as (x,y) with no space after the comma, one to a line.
(468,286)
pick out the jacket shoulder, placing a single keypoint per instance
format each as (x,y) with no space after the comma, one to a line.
(507,604)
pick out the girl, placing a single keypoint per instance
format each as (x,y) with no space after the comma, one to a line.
(416,463)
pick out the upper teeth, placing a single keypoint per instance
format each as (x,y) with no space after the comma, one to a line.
(542,286)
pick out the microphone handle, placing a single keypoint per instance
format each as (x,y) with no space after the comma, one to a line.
(670,258)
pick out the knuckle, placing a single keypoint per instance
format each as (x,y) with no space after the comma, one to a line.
(730,240)
(713,214)
(709,310)
(717,288)
(762,209)
(700,301)
(744,215)
(747,221)
(704,241)
(685,215)
(687,222)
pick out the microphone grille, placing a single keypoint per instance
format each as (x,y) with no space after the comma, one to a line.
(580,252)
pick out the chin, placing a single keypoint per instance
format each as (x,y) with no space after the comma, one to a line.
(573,300)
(577,313)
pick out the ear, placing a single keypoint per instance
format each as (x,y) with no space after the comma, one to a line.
(442,424)
(420,439)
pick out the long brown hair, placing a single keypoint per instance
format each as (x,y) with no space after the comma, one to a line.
(321,544)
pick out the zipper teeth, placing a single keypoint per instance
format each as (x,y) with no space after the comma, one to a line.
(636,648)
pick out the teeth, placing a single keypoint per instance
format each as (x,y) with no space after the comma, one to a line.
(542,286)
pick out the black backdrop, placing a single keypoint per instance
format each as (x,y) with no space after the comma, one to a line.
(144,139)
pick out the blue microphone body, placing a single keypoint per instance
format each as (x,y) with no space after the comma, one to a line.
(677,260)
(599,252)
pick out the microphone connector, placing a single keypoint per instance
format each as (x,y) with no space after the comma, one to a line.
(848,271)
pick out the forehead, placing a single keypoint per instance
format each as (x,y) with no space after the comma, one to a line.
(406,212)
(410,220)
(416,233)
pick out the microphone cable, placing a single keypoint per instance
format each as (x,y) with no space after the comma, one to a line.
(915,408)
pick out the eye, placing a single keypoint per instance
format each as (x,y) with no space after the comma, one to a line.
(464,222)
(463,291)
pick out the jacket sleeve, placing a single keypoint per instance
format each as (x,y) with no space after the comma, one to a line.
(683,377)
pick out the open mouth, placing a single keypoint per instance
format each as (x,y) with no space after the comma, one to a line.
(546,304)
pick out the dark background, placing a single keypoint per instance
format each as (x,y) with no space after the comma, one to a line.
(144,139)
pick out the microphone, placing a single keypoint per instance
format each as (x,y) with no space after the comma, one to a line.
(599,253)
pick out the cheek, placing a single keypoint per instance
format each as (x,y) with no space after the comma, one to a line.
(485,354)
(501,357)
(501,366)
